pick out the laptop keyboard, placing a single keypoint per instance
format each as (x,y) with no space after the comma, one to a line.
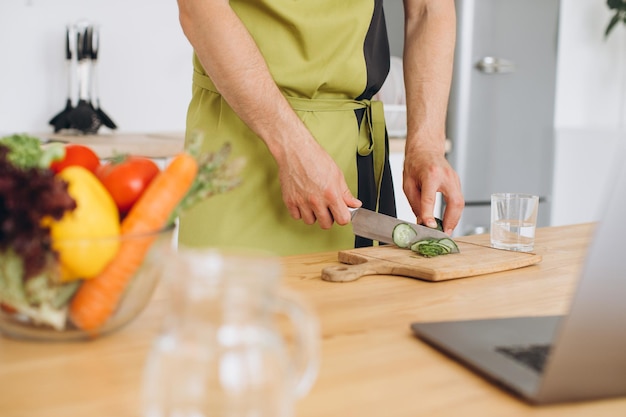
(533,356)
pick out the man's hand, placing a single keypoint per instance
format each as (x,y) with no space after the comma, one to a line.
(314,188)
(426,173)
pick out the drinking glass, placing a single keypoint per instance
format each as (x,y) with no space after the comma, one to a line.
(513,221)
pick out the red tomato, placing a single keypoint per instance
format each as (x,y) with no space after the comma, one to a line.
(127,179)
(77,155)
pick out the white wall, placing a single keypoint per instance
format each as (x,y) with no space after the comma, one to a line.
(590,117)
(145,69)
(591,77)
(144,62)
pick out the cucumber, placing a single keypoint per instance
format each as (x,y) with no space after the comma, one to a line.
(403,235)
(430,248)
(449,243)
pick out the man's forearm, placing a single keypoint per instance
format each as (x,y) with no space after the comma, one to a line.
(430,34)
(231,58)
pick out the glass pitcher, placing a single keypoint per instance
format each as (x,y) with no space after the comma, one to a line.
(223,350)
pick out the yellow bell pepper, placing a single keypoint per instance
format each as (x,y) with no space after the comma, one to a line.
(86,238)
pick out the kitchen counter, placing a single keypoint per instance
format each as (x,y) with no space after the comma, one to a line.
(371,364)
(106,145)
(153,145)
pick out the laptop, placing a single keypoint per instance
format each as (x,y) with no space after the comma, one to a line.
(576,357)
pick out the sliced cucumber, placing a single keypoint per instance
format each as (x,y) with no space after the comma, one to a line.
(403,235)
(449,243)
(430,248)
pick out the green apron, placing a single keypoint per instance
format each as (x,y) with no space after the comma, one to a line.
(315,52)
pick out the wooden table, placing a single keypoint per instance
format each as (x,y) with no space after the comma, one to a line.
(371,364)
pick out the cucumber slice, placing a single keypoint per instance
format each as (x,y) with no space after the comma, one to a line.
(449,243)
(430,248)
(403,235)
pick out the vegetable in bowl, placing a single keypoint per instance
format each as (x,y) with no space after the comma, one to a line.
(25,152)
(48,305)
(28,194)
(55,282)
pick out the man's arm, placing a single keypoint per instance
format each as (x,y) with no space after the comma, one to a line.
(313,186)
(430,34)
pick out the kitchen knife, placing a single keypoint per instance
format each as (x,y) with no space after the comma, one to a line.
(377,226)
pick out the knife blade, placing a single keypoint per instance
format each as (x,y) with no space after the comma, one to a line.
(377,226)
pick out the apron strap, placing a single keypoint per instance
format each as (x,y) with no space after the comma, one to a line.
(374,119)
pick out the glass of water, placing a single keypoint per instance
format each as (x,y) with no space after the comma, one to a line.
(513,221)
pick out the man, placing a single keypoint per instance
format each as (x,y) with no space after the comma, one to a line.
(289,83)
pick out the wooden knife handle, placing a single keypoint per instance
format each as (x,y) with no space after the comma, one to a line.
(347,273)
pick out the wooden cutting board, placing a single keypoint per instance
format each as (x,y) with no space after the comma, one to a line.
(473,260)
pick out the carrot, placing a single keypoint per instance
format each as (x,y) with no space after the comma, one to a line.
(97,298)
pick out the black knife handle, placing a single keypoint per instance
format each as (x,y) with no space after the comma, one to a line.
(95,42)
(80,44)
(87,42)
(68,49)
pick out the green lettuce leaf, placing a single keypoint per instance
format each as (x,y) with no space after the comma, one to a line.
(37,298)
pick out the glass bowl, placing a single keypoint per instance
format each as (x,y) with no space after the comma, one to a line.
(60,326)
